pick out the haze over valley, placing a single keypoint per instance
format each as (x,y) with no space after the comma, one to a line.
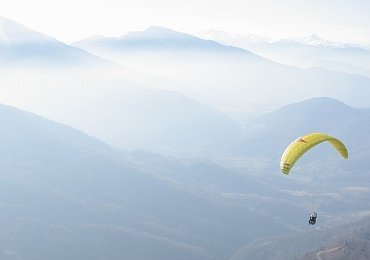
(163,144)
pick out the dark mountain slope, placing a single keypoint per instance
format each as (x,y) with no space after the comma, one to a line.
(348,241)
(67,195)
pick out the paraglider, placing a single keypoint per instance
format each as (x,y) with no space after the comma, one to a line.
(300,146)
(312,220)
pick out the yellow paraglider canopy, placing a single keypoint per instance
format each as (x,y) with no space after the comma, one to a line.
(297,148)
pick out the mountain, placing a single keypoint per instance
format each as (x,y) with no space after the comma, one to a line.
(155,38)
(305,52)
(321,114)
(313,51)
(235,81)
(162,51)
(20,45)
(277,129)
(62,189)
(109,103)
(231,80)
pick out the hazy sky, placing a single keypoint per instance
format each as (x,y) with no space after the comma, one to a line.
(71,20)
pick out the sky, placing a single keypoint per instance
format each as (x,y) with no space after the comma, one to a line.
(73,20)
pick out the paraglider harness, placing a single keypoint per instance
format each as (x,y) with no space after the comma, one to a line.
(312,219)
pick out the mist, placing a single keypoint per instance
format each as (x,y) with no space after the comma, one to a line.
(162,145)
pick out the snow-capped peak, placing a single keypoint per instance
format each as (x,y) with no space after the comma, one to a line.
(314,40)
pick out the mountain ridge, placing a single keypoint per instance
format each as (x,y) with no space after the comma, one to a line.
(158,38)
(20,45)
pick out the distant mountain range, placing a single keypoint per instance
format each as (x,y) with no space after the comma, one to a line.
(218,71)
(215,72)
(304,52)
(107,104)
(341,57)
(154,38)
(236,82)
(21,46)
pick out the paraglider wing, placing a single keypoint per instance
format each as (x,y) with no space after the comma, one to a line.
(297,148)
